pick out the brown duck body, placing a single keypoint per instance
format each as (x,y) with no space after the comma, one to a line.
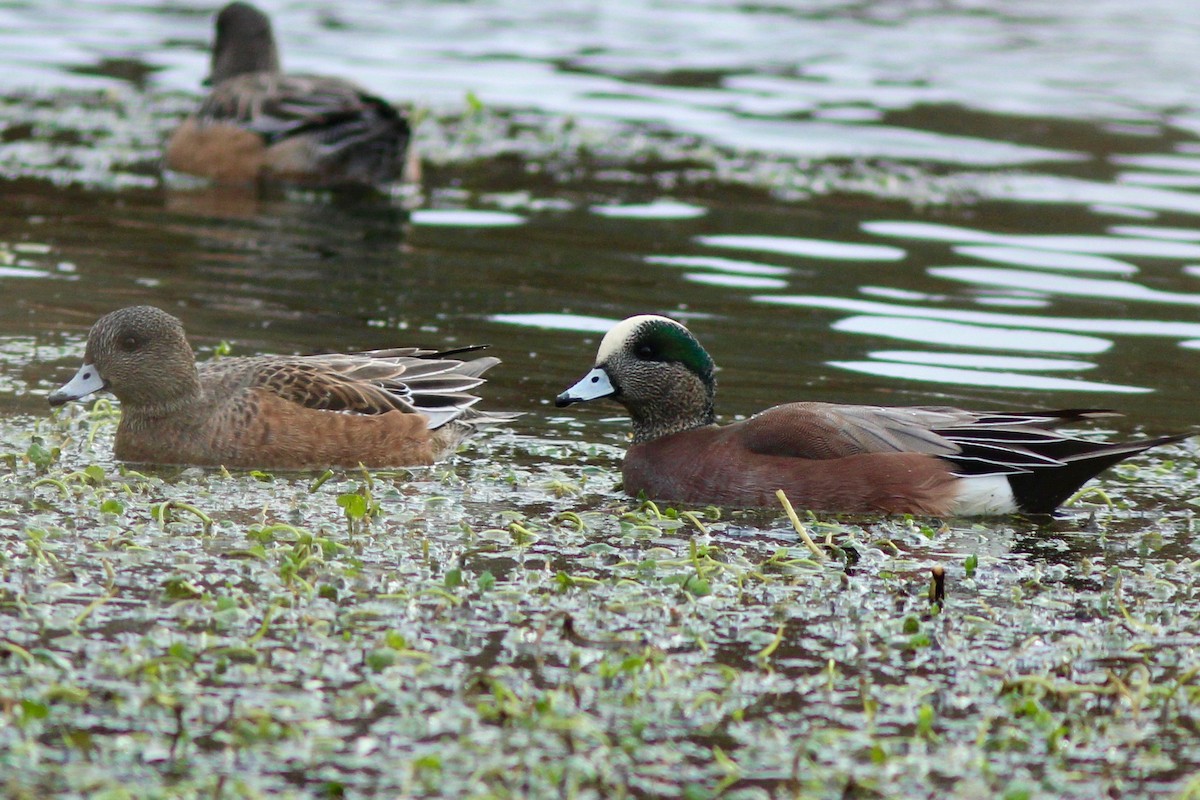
(241,419)
(932,460)
(398,407)
(260,124)
(718,465)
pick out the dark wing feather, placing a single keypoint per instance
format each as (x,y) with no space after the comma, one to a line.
(274,104)
(1043,467)
(337,112)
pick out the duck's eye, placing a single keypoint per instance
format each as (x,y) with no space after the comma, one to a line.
(130,343)
(644,351)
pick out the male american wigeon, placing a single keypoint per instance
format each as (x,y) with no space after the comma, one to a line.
(259,124)
(379,408)
(931,460)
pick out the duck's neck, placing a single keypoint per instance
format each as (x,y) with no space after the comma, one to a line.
(655,421)
(186,396)
(229,61)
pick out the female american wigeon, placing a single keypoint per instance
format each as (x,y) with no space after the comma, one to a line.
(922,460)
(259,124)
(381,408)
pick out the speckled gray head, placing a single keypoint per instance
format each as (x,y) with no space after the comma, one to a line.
(645,338)
(657,369)
(129,352)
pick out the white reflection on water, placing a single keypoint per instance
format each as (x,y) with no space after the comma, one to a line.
(1170,163)
(735,281)
(893,293)
(1045,259)
(1014,300)
(831,140)
(978,377)
(956,334)
(1115,327)
(557,322)
(719,264)
(977,361)
(659,209)
(1128,212)
(1156,232)
(1160,179)
(25,272)
(1063,284)
(1106,245)
(805,248)
(465,218)
(1057,189)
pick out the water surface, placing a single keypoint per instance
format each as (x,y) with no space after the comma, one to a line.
(991,204)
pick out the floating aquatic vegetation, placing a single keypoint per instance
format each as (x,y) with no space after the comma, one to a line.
(514,627)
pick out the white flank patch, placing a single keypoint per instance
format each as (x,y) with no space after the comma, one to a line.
(985,495)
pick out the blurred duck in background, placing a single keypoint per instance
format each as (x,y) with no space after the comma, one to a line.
(260,124)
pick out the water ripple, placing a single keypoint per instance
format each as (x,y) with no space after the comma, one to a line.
(736,281)
(558,322)
(1063,285)
(970,377)
(977,361)
(805,248)
(1024,257)
(465,218)
(720,265)
(658,209)
(1116,327)
(1103,245)
(976,336)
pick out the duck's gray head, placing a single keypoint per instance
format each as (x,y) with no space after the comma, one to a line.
(138,353)
(657,369)
(244,43)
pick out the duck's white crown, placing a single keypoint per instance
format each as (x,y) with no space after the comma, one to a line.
(619,335)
